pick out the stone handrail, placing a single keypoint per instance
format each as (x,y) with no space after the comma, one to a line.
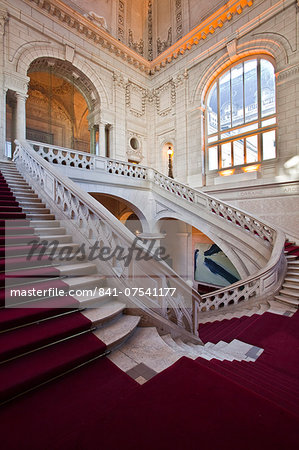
(228,213)
(94,223)
(65,156)
(265,282)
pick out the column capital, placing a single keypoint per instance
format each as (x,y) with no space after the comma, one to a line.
(21,96)
(16,82)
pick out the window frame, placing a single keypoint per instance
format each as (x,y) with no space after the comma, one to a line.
(258,123)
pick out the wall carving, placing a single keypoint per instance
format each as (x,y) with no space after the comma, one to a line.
(61,13)
(136,46)
(3,20)
(134,154)
(288,73)
(119,80)
(178,19)
(136,99)
(163,45)
(165,98)
(121,21)
(150,54)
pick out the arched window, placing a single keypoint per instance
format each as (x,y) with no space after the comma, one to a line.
(241,117)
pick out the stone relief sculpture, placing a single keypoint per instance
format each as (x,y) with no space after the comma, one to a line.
(163,45)
(138,47)
(98,20)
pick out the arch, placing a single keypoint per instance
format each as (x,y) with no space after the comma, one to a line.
(25,57)
(205,228)
(266,46)
(126,213)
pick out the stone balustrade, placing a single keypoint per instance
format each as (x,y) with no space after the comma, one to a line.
(257,286)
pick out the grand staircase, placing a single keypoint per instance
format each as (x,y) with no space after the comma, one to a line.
(44,336)
(249,356)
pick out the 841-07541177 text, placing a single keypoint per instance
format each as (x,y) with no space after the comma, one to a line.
(137,292)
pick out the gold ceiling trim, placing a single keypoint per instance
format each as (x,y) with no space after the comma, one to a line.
(72,19)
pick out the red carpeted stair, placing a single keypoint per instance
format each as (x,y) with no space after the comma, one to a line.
(48,335)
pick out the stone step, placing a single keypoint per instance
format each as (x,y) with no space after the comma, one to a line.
(50,231)
(89,283)
(89,300)
(291,257)
(293,273)
(104,313)
(172,344)
(289,292)
(188,351)
(31,205)
(23,195)
(21,191)
(36,210)
(35,216)
(292,286)
(62,239)
(78,269)
(294,263)
(291,279)
(287,300)
(44,224)
(30,200)
(116,332)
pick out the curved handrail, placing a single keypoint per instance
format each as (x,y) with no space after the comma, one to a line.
(96,222)
(265,281)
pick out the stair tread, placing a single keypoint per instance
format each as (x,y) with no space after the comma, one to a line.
(106,311)
(16,342)
(26,372)
(115,332)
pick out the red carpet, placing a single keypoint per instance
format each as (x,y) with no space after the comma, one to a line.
(48,336)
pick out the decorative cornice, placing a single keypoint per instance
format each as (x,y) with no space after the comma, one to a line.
(72,19)
(287,73)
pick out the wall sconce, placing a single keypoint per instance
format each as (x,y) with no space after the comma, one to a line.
(170,155)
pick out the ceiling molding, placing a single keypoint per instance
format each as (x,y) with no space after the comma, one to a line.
(72,19)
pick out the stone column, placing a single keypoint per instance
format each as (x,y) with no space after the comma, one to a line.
(183,255)
(92,139)
(21,116)
(102,139)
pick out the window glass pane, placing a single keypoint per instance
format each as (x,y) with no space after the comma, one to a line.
(267,122)
(227,134)
(250,81)
(212,111)
(251,149)
(213,158)
(225,107)
(212,139)
(238,147)
(226,155)
(267,88)
(237,95)
(269,151)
